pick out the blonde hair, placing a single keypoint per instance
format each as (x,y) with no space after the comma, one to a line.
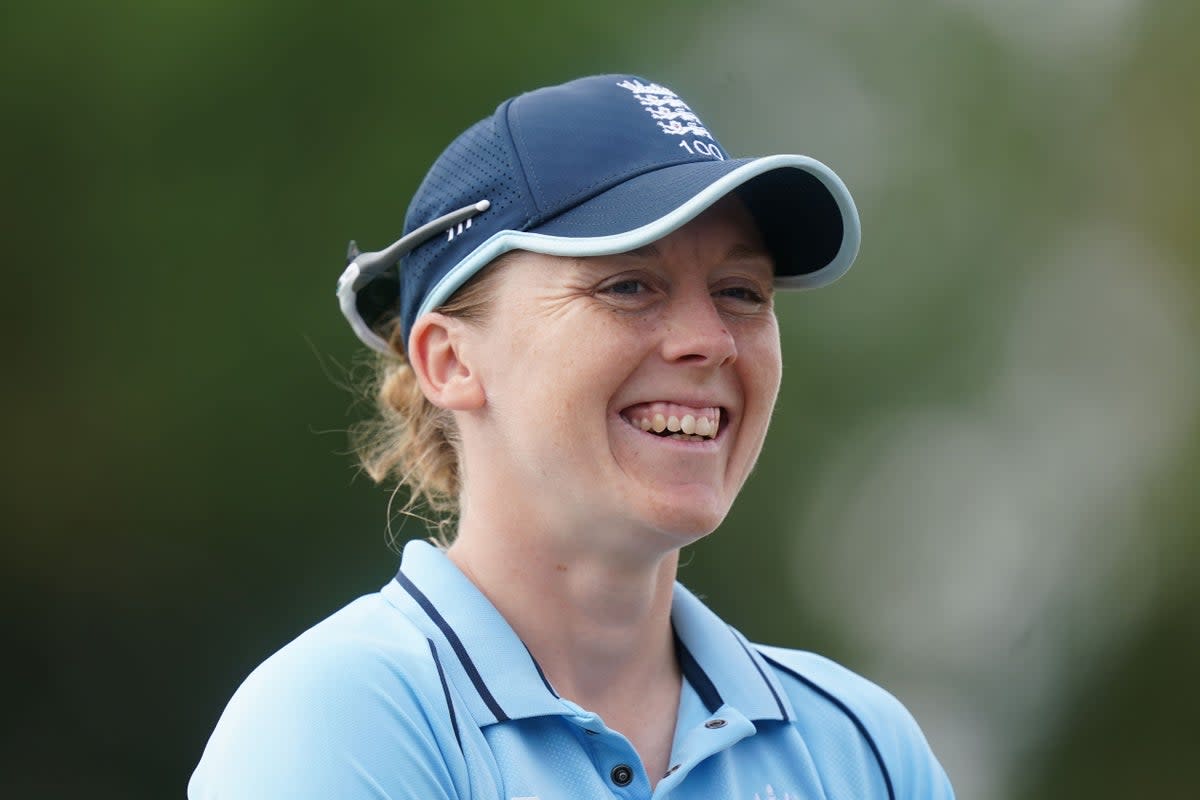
(410,440)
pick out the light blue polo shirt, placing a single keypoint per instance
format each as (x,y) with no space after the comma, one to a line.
(423,691)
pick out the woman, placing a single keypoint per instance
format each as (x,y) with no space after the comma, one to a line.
(581,359)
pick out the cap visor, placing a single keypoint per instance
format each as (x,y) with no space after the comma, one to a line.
(805,211)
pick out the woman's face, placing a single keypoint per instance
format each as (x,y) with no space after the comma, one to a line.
(579,356)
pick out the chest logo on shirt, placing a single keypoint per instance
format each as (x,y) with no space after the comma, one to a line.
(770,795)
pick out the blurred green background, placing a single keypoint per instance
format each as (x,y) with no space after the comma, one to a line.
(980,489)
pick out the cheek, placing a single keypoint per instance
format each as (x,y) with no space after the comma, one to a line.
(763,374)
(763,361)
(558,386)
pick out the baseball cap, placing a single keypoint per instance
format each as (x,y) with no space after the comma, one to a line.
(600,165)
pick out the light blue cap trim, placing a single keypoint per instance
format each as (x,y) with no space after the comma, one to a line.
(508,240)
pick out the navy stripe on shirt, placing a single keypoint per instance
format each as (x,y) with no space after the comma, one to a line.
(456,644)
(782,711)
(858,723)
(697,678)
(541,674)
(446,690)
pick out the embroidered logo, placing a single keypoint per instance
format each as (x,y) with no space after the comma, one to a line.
(665,108)
(770,795)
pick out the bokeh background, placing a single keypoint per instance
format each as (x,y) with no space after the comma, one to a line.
(981,487)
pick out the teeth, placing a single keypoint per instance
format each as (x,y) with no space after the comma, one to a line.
(690,427)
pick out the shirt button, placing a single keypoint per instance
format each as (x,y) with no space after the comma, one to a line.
(715,723)
(621,775)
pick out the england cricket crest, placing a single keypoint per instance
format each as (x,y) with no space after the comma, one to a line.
(674,118)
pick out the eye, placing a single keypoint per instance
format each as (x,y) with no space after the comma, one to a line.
(743,294)
(629,288)
(626,286)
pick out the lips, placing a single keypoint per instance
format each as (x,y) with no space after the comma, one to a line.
(675,420)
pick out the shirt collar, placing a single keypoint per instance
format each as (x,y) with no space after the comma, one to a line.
(499,679)
(713,651)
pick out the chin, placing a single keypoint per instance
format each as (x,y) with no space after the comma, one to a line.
(684,521)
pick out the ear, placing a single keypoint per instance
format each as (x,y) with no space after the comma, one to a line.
(437,353)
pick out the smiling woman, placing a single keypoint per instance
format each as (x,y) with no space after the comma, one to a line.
(580,357)
(574,348)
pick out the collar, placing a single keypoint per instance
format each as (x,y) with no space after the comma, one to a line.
(499,679)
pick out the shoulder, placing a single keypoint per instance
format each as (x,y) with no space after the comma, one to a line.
(810,677)
(822,691)
(350,708)
(366,652)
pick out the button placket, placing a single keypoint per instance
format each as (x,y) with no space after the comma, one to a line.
(706,738)
(610,753)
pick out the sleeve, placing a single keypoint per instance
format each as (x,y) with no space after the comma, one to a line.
(910,769)
(915,772)
(316,722)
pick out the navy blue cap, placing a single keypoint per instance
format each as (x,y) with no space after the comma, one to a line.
(600,165)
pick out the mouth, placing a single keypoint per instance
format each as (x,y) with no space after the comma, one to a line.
(675,421)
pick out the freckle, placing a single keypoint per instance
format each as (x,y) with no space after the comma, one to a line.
(561,567)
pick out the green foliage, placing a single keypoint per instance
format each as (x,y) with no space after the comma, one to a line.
(182,179)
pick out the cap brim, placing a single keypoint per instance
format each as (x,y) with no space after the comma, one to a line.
(806,214)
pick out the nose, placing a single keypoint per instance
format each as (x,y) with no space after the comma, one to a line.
(695,332)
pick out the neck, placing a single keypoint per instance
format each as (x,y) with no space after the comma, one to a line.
(595,614)
(598,625)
